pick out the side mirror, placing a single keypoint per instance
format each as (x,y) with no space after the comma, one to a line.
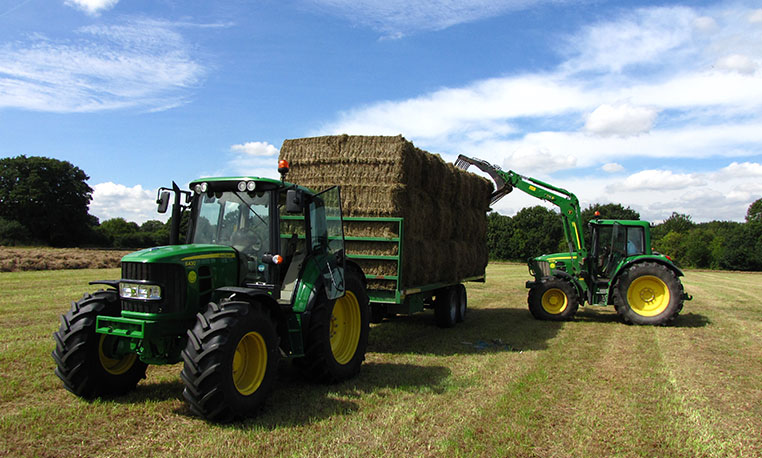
(163,201)
(294,201)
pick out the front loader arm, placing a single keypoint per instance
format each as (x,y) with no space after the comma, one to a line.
(565,200)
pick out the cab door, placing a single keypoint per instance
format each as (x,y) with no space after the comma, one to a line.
(327,240)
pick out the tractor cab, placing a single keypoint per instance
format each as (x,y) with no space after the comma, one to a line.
(273,227)
(614,241)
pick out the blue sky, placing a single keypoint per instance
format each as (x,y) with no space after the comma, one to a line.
(654,105)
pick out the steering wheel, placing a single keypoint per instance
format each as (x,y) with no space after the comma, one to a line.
(247,241)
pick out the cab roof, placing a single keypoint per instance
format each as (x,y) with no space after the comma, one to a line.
(222,183)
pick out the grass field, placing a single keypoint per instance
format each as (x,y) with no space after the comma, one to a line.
(500,384)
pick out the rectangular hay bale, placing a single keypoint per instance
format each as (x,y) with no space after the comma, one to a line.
(444,208)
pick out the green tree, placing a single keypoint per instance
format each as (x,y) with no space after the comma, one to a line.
(536,230)
(672,245)
(754,213)
(119,232)
(499,231)
(48,197)
(12,233)
(606,211)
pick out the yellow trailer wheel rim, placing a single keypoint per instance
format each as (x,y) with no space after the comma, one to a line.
(114,366)
(554,301)
(345,328)
(249,363)
(648,295)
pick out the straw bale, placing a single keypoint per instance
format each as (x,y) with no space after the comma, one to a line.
(444,208)
(371,248)
(383,229)
(378,267)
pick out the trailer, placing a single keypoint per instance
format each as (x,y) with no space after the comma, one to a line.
(388,293)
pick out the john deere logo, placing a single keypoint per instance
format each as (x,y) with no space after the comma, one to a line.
(192,276)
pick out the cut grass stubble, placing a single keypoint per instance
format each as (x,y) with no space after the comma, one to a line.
(500,383)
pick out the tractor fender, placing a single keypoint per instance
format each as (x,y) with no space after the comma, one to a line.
(350,268)
(265,300)
(639,260)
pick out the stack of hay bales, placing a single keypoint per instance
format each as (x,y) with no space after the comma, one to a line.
(444,208)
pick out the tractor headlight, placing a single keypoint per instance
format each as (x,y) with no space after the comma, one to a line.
(139,291)
(201,188)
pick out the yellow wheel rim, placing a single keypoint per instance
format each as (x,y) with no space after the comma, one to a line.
(114,366)
(345,328)
(648,295)
(249,363)
(554,301)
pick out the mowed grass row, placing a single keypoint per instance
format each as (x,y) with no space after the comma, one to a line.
(499,384)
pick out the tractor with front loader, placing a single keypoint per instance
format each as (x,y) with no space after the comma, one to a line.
(263,276)
(619,269)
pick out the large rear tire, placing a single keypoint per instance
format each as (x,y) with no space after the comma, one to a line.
(87,362)
(648,293)
(230,361)
(462,302)
(446,307)
(337,337)
(553,299)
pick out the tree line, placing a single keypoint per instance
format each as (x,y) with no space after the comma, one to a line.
(45,201)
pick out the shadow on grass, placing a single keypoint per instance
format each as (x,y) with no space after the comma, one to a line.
(691,320)
(296,401)
(597,314)
(483,330)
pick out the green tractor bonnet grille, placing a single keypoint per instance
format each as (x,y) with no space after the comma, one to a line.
(171,278)
(541,268)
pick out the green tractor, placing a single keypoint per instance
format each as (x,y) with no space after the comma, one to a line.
(263,276)
(620,269)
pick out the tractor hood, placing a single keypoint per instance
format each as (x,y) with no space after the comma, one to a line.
(181,253)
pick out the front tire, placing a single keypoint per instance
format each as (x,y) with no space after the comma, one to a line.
(230,361)
(88,363)
(553,300)
(648,293)
(337,337)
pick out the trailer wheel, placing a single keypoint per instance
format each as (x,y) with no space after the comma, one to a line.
(553,300)
(648,293)
(230,360)
(337,337)
(462,302)
(88,363)
(446,307)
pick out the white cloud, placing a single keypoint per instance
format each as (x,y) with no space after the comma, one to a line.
(139,64)
(705,24)
(396,18)
(612,167)
(756,16)
(112,200)
(740,170)
(254,159)
(623,120)
(659,180)
(92,7)
(737,63)
(638,37)
(537,158)
(255,149)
